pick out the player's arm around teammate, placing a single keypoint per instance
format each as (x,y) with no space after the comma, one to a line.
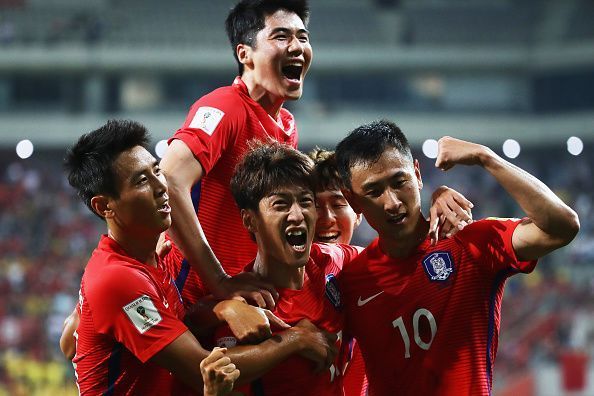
(551,224)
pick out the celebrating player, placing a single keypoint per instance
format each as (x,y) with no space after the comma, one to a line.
(271,45)
(131,336)
(427,317)
(274,187)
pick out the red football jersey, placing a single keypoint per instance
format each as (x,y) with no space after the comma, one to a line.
(129,311)
(319,301)
(428,324)
(217,130)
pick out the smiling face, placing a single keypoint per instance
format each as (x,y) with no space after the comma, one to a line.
(336,219)
(280,56)
(284,225)
(142,206)
(387,192)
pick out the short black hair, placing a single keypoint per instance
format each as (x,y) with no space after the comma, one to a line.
(267,166)
(89,163)
(366,144)
(327,176)
(247,18)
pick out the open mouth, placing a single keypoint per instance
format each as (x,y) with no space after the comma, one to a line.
(328,237)
(165,208)
(297,239)
(292,72)
(397,219)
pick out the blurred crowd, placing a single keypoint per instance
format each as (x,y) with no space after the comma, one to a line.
(46,236)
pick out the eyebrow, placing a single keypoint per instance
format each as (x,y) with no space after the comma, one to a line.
(135,175)
(287,30)
(370,185)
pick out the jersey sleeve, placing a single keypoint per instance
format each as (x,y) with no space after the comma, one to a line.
(211,127)
(334,256)
(126,305)
(491,239)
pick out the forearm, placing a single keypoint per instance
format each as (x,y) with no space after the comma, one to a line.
(187,234)
(540,204)
(253,361)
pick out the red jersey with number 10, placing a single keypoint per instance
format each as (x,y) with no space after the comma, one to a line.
(428,324)
(217,130)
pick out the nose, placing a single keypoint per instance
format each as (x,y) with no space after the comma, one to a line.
(295,214)
(160,184)
(296,46)
(391,201)
(326,216)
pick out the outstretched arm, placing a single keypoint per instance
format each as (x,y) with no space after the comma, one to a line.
(552,224)
(183,171)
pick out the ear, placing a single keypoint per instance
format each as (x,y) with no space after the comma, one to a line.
(350,197)
(418,174)
(248,218)
(244,54)
(102,205)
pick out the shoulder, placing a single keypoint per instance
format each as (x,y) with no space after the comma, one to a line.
(487,228)
(225,99)
(116,280)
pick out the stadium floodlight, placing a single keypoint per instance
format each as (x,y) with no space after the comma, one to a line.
(511,148)
(160,148)
(24,148)
(430,148)
(575,146)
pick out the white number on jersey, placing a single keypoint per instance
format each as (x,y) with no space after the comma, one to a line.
(399,323)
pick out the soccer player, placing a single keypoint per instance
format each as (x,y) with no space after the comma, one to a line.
(270,42)
(274,188)
(427,317)
(130,336)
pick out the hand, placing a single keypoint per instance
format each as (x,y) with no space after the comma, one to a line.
(452,151)
(318,345)
(247,323)
(163,246)
(218,373)
(248,286)
(450,212)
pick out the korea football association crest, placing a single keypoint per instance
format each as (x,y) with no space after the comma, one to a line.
(332,291)
(438,266)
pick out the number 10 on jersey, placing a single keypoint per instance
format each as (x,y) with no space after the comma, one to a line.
(419,313)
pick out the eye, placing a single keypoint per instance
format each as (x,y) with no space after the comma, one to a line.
(157,170)
(373,193)
(307,202)
(142,180)
(304,39)
(280,37)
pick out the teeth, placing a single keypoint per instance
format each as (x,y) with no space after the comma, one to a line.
(295,233)
(328,235)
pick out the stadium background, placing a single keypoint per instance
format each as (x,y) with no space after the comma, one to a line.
(484,70)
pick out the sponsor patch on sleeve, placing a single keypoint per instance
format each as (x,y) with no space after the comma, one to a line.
(226,342)
(207,119)
(143,313)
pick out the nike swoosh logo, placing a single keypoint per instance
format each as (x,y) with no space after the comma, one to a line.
(361,302)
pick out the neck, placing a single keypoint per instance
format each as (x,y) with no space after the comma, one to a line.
(403,247)
(279,274)
(140,249)
(270,103)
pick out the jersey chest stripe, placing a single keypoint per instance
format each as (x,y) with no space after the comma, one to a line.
(195,193)
(184,271)
(113,369)
(499,279)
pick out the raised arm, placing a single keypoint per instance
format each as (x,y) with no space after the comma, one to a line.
(551,225)
(183,171)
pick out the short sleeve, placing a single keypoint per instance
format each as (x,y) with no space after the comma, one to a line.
(334,256)
(127,305)
(212,126)
(491,239)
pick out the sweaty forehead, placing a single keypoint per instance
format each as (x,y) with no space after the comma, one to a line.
(392,162)
(132,161)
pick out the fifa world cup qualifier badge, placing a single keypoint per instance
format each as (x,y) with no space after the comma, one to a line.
(332,291)
(438,266)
